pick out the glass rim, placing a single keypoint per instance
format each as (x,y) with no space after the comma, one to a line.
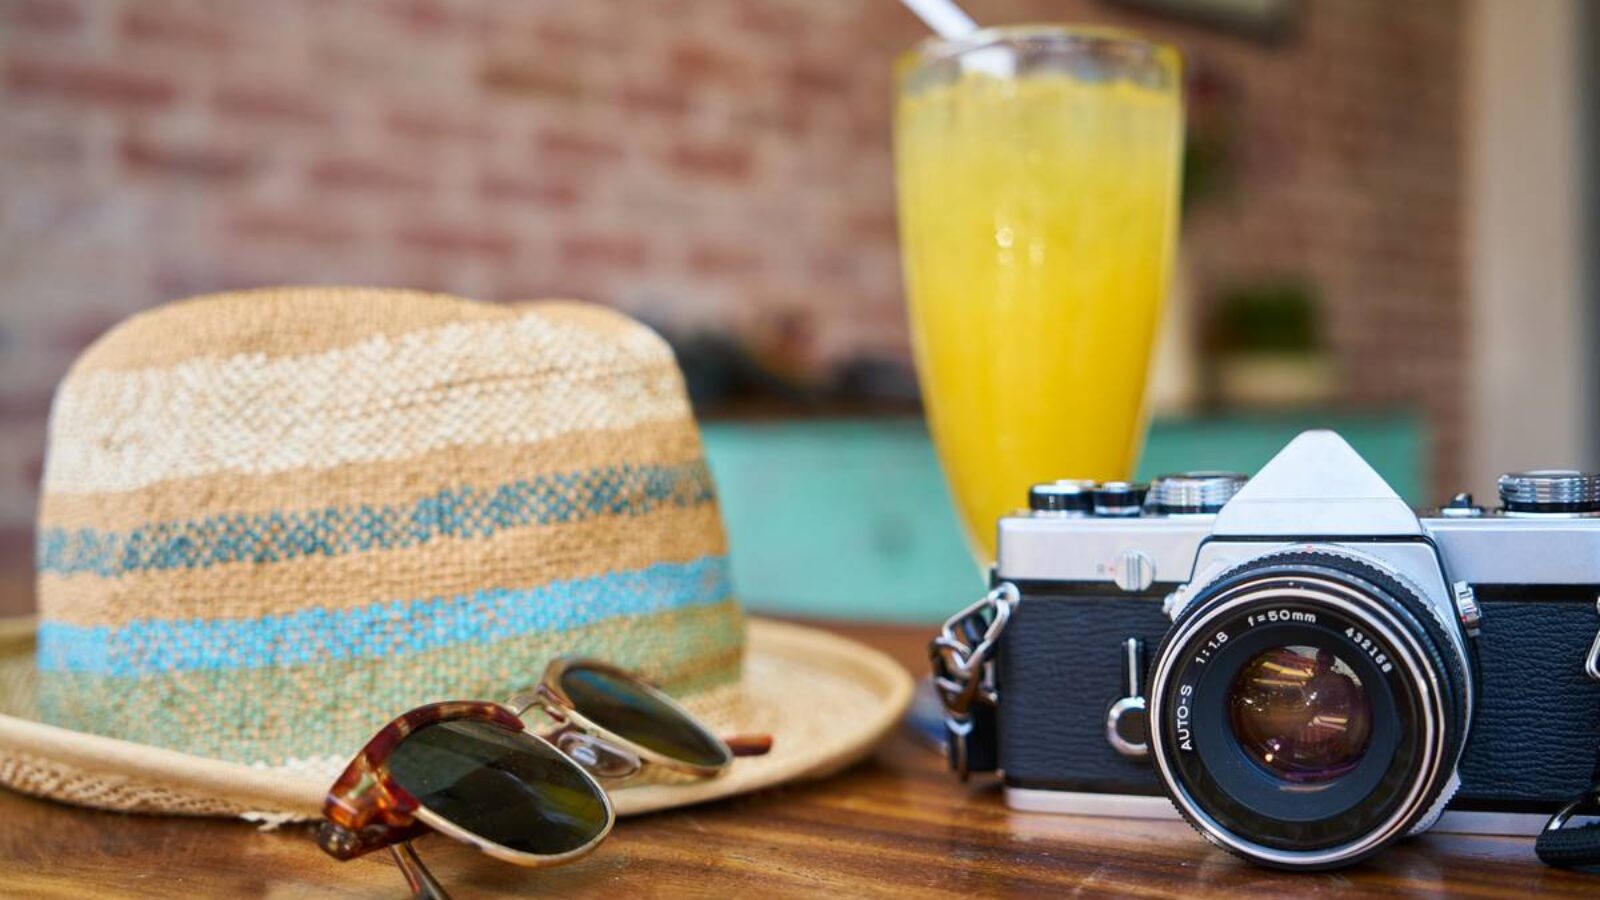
(938,49)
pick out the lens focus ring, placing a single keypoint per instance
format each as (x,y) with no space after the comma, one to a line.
(1346,624)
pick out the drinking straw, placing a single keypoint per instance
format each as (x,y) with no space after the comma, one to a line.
(951,22)
(944,17)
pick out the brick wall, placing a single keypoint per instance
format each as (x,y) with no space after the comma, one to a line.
(716,163)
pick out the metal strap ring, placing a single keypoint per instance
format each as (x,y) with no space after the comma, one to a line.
(1588,803)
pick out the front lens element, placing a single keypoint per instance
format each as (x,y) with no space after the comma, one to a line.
(509,788)
(1308,708)
(1301,713)
(636,712)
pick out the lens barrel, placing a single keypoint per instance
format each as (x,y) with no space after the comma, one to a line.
(1307,708)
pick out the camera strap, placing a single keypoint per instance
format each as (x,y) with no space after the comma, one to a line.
(963,674)
(1561,843)
(1566,845)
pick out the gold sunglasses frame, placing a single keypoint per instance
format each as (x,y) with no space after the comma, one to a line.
(574,730)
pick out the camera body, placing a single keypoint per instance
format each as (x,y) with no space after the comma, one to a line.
(1305,667)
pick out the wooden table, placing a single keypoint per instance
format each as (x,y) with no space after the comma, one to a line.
(896,826)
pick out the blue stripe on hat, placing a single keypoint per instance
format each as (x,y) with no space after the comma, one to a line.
(393,628)
(461,512)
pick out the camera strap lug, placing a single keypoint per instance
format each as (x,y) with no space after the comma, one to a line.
(1561,843)
(1591,663)
(963,675)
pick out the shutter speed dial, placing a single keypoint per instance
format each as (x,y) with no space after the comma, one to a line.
(1194,493)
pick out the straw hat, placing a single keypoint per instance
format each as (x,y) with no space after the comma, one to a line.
(274,520)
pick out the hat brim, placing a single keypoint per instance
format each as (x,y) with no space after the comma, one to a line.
(826,701)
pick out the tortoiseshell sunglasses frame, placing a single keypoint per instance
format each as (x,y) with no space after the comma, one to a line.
(367,810)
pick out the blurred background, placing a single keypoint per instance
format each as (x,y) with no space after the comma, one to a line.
(1386,226)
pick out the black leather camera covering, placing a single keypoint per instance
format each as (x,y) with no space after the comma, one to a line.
(1536,718)
(1536,715)
(1059,671)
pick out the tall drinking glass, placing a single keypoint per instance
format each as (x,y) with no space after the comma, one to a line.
(1038,172)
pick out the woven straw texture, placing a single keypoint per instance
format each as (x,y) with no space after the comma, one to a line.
(274,520)
(825,700)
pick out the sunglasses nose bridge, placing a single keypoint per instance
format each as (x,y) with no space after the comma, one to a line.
(532,698)
(601,758)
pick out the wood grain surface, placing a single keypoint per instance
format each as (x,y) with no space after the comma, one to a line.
(896,826)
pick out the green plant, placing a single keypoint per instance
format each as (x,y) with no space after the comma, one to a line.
(1279,316)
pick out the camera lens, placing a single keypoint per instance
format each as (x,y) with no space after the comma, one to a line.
(1301,713)
(1307,708)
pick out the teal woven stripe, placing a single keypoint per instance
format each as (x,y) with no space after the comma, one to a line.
(461,512)
(332,707)
(386,629)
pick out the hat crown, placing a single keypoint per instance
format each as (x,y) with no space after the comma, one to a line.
(274,520)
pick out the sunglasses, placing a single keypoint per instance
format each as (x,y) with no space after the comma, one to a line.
(473,771)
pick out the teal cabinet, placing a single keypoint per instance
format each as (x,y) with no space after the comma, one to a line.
(850,518)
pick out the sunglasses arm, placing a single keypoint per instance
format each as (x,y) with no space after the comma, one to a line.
(423,885)
(749,744)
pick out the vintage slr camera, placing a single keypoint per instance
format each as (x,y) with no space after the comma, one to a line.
(1302,665)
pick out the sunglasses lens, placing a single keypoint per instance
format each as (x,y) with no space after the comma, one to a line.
(508,788)
(633,711)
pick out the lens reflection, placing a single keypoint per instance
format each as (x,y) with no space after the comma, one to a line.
(630,710)
(1301,713)
(507,787)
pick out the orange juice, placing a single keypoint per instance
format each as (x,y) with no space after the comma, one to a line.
(1038,215)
